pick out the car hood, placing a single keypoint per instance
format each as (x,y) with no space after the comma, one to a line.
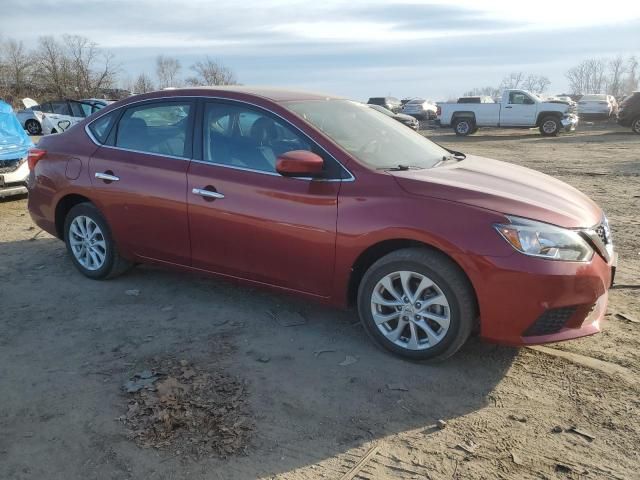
(505,188)
(29,102)
(404,118)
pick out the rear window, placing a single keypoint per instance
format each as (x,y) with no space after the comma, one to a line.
(469,100)
(594,97)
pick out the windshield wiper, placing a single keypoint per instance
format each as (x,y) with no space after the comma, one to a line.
(400,168)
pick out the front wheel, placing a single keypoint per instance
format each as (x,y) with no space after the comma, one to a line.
(550,126)
(417,304)
(635,126)
(33,127)
(89,241)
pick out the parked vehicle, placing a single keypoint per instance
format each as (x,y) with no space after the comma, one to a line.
(481,99)
(14,148)
(407,120)
(562,98)
(420,108)
(325,198)
(516,109)
(56,116)
(629,112)
(390,103)
(597,106)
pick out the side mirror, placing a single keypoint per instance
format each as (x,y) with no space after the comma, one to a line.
(299,163)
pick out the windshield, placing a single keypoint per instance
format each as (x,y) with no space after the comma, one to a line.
(373,138)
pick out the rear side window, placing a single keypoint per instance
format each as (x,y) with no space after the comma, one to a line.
(102,126)
(160,128)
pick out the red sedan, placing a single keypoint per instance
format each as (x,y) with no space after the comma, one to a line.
(327,198)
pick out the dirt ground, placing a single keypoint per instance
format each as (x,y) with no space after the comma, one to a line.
(68,344)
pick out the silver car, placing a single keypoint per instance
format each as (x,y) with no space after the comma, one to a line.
(56,116)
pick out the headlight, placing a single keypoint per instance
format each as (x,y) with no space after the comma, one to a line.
(546,241)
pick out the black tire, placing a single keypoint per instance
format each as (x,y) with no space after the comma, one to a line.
(113,264)
(550,126)
(33,127)
(449,278)
(635,125)
(463,126)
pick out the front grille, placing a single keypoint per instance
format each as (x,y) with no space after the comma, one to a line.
(550,321)
(8,166)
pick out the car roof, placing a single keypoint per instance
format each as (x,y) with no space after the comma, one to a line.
(271,93)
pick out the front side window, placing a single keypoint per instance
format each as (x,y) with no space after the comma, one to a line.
(517,98)
(376,140)
(244,137)
(160,128)
(60,108)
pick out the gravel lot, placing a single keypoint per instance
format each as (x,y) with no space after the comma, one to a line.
(323,401)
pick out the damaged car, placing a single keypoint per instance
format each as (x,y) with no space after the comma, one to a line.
(14,148)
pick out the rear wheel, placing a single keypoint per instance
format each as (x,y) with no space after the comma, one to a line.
(635,125)
(33,127)
(463,126)
(550,126)
(89,241)
(417,304)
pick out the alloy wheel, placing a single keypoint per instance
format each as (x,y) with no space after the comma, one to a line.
(549,126)
(87,243)
(410,310)
(462,128)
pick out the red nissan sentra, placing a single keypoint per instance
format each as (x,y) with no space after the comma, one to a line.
(329,199)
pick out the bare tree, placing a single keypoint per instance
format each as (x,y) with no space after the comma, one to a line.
(513,80)
(167,70)
(631,82)
(16,69)
(142,84)
(536,83)
(210,72)
(588,77)
(52,69)
(617,69)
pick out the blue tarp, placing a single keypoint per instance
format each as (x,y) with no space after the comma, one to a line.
(14,141)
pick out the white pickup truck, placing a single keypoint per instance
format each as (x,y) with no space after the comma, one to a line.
(516,109)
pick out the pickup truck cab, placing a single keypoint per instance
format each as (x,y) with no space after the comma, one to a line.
(516,109)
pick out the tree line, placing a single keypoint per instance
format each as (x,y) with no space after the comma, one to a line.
(73,66)
(617,76)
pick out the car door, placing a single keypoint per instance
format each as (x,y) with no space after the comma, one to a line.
(520,110)
(248,221)
(61,116)
(140,176)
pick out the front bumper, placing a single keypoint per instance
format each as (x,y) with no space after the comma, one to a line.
(14,183)
(515,293)
(570,122)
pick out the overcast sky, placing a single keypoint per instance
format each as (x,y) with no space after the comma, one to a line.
(354,48)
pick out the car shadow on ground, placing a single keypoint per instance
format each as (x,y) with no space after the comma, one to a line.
(69,343)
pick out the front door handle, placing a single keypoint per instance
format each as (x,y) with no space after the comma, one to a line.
(508,106)
(207,193)
(107,177)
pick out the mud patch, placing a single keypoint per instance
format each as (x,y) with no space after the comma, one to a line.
(189,411)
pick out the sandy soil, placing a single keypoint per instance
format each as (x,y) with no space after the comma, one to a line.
(67,344)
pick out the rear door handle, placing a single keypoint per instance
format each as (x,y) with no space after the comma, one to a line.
(107,177)
(509,106)
(207,193)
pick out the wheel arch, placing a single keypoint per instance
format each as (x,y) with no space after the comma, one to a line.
(63,206)
(378,250)
(552,113)
(463,114)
